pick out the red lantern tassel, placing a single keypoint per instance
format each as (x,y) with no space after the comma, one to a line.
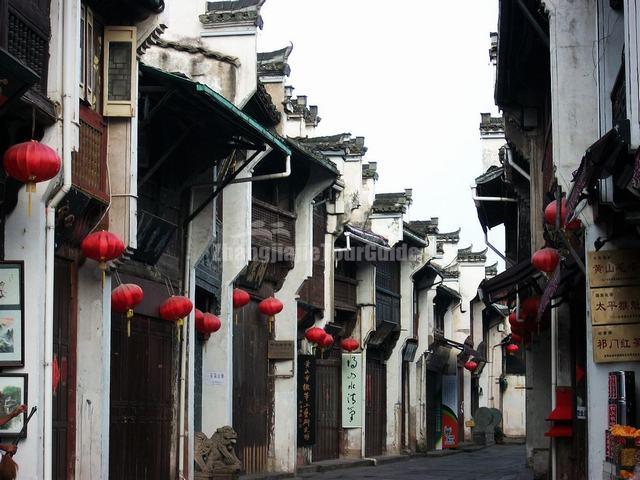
(270,321)
(31,188)
(129,315)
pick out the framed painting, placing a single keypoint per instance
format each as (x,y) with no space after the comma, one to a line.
(11,314)
(13,392)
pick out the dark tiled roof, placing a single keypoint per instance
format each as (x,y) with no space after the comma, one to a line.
(183,47)
(298,106)
(233,12)
(490,124)
(449,237)
(274,63)
(392,202)
(491,270)
(426,227)
(369,170)
(419,236)
(341,142)
(468,255)
(262,108)
(367,235)
(318,158)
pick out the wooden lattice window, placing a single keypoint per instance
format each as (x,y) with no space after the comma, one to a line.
(28,33)
(89,167)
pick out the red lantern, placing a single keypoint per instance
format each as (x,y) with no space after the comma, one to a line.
(314,335)
(240,298)
(530,307)
(326,341)
(471,365)
(515,338)
(31,162)
(270,307)
(349,344)
(198,316)
(512,348)
(207,323)
(546,260)
(102,247)
(123,298)
(175,308)
(550,215)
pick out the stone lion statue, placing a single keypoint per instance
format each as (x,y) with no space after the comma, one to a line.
(216,455)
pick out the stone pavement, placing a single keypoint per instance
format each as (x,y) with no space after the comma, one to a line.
(499,462)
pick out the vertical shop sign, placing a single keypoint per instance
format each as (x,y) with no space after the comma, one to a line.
(306,400)
(352,390)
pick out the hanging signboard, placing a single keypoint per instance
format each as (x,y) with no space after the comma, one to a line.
(611,268)
(449,411)
(352,390)
(615,305)
(616,343)
(306,400)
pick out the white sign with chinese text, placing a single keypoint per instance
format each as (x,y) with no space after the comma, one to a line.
(214,378)
(615,305)
(352,390)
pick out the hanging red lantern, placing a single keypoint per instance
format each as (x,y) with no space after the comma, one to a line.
(530,307)
(349,344)
(30,163)
(314,335)
(102,246)
(175,309)
(551,210)
(326,341)
(546,259)
(471,365)
(198,315)
(270,307)
(240,298)
(512,348)
(515,338)
(207,324)
(123,298)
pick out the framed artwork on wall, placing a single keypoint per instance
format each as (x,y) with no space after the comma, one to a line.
(11,314)
(13,392)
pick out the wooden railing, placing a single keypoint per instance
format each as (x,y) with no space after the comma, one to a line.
(345,293)
(271,226)
(89,167)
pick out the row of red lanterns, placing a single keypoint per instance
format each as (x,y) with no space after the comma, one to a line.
(323,339)
(472,365)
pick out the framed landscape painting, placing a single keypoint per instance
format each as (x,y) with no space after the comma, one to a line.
(13,392)
(11,314)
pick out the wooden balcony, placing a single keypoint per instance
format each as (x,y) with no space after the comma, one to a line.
(345,293)
(272,227)
(89,166)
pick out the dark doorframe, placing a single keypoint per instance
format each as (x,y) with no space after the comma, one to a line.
(64,358)
(433,409)
(376,406)
(328,405)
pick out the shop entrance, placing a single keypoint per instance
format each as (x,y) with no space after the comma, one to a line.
(328,406)
(376,406)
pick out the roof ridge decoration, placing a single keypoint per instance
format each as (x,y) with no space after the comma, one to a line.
(467,255)
(451,271)
(396,202)
(370,170)
(233,12)
(343,143)
(426,227)
(449,237)
(491,270)
(183,47)
(275,63)
(491,124)
(297,107)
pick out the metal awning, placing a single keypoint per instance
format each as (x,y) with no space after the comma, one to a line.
(234,121)
(492,184)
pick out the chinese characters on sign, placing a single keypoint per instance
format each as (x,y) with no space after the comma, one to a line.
(306,400)
(615,305)
(611,268)
(616,343)
(351,390)
(614,281)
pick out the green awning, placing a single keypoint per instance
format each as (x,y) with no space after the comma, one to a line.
(247,126)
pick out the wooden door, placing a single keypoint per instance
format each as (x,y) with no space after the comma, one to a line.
(64,371)
(376,407)
(142,394)
(252,387)
(328,406)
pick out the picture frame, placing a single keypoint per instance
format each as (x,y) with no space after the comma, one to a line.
(11,314)
(13,392)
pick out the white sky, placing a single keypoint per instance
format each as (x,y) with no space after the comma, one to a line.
(411,77)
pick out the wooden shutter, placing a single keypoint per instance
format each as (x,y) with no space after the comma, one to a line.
(120,72)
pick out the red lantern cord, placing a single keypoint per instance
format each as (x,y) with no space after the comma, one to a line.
(31,162)
(349,344)
(240,298)
(270,307)
(123,298)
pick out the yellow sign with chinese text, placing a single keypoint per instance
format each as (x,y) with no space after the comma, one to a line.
(615,305)
(616,343)
(609,268)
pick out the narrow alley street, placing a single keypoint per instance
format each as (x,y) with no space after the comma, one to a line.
(500,462)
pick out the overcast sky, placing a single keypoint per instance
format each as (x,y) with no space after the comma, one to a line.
(411,77)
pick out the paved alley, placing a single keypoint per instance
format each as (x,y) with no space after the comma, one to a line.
(505,462)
